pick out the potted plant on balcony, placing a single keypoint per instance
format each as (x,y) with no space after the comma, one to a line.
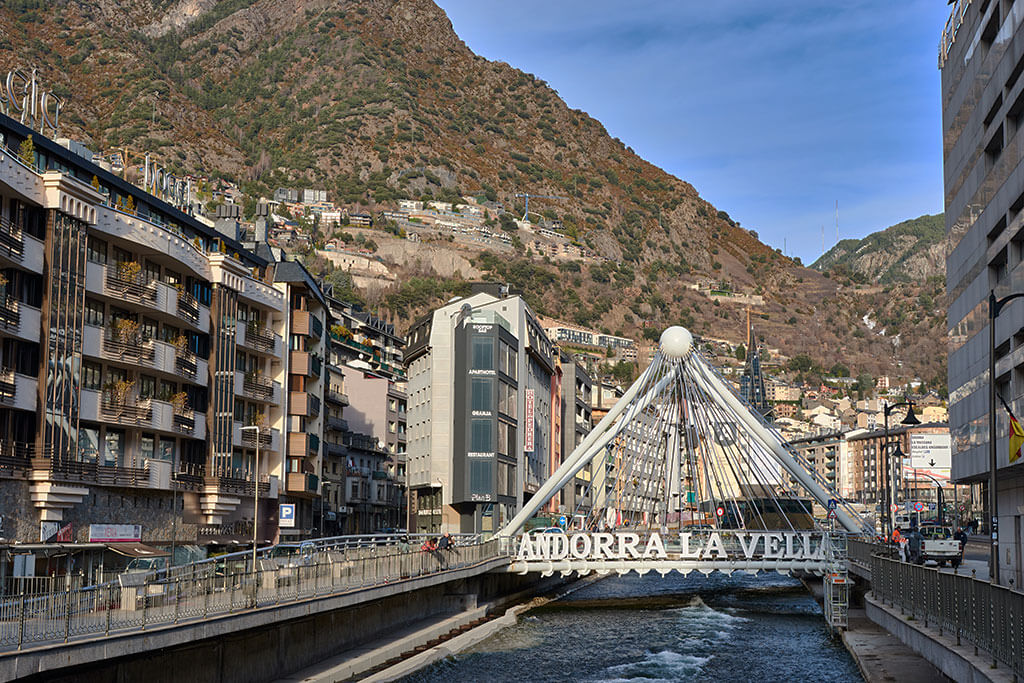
(126,330)
(179,403)
(117,392)
(180,343)
(128,270)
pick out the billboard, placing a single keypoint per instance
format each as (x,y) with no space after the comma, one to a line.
(114,533)
(528,424)
(930,451)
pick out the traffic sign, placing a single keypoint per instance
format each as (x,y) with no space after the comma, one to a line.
(286,515)
(720,511)
(562,521)
(832,503)
(918,506)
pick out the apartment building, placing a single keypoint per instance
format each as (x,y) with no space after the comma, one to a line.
(480,411)
(577,421)
(981,58)
(135,343)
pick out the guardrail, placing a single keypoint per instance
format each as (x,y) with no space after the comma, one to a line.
(988,616)
(136,602)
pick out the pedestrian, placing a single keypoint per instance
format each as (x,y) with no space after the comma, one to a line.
(443,547)
(904,552)
(915,541)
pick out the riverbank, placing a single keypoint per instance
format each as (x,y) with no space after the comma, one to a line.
(426,641)
(882,657)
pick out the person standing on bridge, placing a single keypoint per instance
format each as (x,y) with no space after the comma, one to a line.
(444,546)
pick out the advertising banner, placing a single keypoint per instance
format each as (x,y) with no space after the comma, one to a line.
(114,533)
(528,424)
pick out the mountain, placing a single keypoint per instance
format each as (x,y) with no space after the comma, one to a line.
(911,251)
(376,100)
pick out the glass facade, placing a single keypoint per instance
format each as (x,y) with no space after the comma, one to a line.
(224,314)
(63,311)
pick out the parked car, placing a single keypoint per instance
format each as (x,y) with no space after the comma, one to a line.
(939,545)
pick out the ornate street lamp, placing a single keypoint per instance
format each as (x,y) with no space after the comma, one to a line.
(995,306)
(889,486)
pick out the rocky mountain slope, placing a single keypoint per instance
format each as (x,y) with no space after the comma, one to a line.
(911,251)
(376,100)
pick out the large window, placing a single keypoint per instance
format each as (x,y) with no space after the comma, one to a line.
(480,476)
(483,353)
(508,360)
(93,312)
(97,251)
(481,394)
(506,439)
(507,399)
(481,439)
(92,375)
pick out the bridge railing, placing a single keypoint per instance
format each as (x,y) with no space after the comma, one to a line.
(861,551)
(988,616)
(140,601)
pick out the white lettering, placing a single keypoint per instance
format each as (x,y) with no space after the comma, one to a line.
(687,553)
(604,545)
(580,551)
(773,546)
(751,548)
(525,548)
(655,547)
(789,546)
(715,545)
(627,545)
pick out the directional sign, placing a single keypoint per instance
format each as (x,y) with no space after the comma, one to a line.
(286,515)
(562,521)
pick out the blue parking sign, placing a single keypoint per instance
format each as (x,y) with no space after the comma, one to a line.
(286,515)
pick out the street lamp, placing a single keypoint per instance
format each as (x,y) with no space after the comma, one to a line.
(995,306)
(255,496)
(889,485)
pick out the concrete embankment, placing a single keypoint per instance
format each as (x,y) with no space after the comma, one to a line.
(424,643)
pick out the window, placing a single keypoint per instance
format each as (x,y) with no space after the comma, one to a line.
(239,410)
(480,394)
(508,361)
(93,312)
(506,439)
(507,399)
(147,386)
(166,450)
(89,443)
(97,250)
(481,438)
(480,476)
(92,375)
(483,353)
(147,447)
(149,329)
(113,451)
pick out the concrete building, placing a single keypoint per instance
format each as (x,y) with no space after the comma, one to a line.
(577,422)
(481,374)
(980,58)
(136,342)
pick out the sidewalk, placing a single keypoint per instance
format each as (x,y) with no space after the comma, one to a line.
(882,657)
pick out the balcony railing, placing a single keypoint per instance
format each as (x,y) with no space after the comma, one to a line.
(15,459)
(136,289)
(185,364)
(258,387)
(249,438)
(8,386)
(10,312)
(188,307)
(300,482)
(335,396)
(185,421)
(126,413)
(259,338)
(12,241)
(134,351)
(69,470)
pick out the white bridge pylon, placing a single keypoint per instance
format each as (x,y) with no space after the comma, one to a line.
(682,474)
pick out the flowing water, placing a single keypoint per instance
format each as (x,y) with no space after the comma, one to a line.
(632,628)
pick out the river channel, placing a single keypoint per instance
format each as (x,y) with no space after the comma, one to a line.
(632,628)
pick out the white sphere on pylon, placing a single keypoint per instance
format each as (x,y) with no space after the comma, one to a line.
(676,342)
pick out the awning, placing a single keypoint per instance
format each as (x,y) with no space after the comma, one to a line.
(137,550)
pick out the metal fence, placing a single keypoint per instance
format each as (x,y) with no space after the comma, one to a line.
(988,616)
(137,601)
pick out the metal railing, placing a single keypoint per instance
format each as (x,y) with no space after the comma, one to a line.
(988,616)
(202,590)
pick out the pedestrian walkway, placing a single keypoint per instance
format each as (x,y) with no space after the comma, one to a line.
(882,657)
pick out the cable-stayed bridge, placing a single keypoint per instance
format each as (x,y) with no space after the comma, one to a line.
(685,476)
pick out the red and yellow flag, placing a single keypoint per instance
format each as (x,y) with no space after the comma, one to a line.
(1016,439)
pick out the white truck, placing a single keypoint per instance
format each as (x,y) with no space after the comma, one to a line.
(939,545)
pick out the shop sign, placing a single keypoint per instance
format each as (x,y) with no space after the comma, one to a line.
(53,532)
(528,424)
(114,533)
(22,98)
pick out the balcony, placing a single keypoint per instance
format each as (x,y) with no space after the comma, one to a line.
(12,241)
(335,396)
(128,349)
(334,449)
(188,307)
(256,337)
(119,284)
(304,322)
(304,404)
(128,412)
(270,439)
(8,387)
(186,364)
(17,391)
(303,484)
(303,445)
(305,364)
(10,313)
(257,387)
(336,423)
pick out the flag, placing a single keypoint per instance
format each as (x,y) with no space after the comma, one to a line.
(1016,434)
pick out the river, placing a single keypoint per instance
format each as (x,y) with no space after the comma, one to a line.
(632,628)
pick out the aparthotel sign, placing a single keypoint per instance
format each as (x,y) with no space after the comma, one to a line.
(21,97)
(756,545)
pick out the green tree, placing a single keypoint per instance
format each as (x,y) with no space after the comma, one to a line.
(839,370)
(801,362)
(27,152)
(741,353)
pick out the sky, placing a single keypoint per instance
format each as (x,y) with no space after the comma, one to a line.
(773,111)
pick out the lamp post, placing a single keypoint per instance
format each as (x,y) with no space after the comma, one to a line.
(995,306)
(255,497)
(889,486)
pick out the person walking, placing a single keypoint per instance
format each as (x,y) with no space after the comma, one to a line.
(444,546)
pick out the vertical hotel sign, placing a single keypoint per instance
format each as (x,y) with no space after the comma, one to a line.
(528,424)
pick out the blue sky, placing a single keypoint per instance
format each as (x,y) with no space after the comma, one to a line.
(773,111)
